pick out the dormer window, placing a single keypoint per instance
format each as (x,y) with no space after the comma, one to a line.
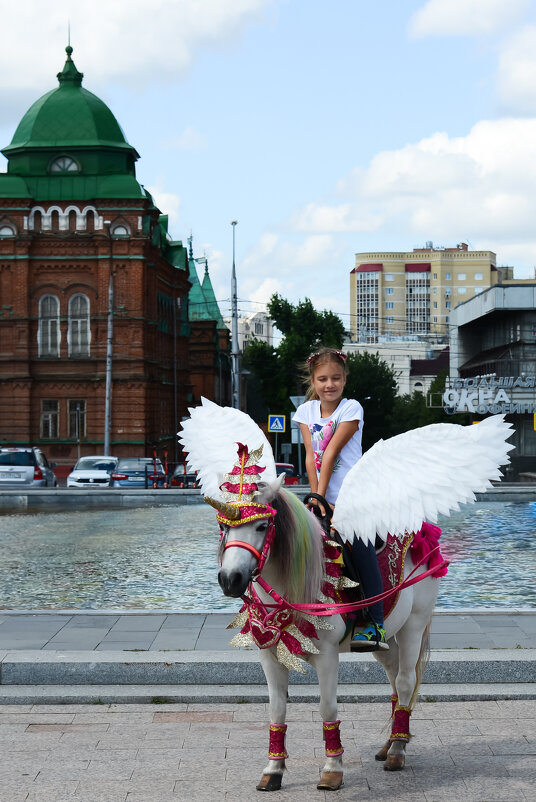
(120,231)
(64,164)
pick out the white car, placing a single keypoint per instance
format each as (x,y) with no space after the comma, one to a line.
(92,472)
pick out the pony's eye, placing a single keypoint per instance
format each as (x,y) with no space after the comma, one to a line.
(262,527)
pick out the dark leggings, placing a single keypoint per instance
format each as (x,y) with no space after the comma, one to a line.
(366,564)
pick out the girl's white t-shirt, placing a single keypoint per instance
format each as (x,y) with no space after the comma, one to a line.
(323,429)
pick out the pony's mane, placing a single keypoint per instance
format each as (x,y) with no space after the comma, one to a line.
(297,550)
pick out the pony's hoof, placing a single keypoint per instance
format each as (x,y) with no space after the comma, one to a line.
(270,782)
(330,781)
(394,762)
(382,753)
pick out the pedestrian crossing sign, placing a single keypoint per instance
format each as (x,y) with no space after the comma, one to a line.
(276,424)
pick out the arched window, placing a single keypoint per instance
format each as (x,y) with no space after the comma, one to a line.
(79,333)
(64,164)
(48,332)
(120,231)
(6,230)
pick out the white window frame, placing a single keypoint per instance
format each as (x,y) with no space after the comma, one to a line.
(79,329)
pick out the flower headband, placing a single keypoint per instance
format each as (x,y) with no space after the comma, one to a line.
(342,357)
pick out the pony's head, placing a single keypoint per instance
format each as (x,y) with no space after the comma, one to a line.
(288,536)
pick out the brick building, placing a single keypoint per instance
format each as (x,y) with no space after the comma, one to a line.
(93,292)
(210,360)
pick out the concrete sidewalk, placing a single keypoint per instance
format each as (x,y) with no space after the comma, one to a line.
(136,657)
(478,752)
(88,630)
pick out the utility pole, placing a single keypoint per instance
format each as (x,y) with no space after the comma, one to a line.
(109,346)
(235,354)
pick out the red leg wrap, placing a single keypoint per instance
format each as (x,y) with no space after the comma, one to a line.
(394,702)
(332,738)
(400,728)
(276,750)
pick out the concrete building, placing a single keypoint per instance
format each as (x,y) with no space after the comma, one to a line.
(415,363)
(493,363)
(414,293)
(93,291)
(256,326)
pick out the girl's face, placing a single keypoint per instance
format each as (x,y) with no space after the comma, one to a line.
(328,381)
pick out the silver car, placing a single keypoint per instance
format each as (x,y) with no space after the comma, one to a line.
(92,472)
(24,468)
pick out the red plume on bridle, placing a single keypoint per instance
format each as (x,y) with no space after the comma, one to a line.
(240,489)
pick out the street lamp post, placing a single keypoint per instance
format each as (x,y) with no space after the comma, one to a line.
(235,354)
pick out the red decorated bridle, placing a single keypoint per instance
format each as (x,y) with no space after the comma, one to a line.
(261,556)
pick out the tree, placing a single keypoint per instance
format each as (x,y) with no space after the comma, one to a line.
(373,383)
(304,329)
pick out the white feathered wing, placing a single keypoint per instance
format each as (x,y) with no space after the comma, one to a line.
(210,436)
(411,478)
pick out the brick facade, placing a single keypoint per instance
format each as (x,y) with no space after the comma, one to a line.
(66,261)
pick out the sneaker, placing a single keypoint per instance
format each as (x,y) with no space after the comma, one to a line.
(368,639)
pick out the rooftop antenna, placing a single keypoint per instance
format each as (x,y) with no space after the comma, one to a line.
(69,33)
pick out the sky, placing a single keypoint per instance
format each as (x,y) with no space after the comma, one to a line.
(323,129)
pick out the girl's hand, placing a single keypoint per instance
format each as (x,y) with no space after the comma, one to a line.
(316,503)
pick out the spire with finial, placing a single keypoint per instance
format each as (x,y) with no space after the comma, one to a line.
(70,75)
(191,246)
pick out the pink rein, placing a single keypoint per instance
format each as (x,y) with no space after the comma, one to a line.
(320,608)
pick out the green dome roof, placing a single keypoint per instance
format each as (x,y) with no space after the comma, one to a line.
(68,117)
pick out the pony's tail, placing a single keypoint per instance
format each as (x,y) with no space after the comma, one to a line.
(422,662)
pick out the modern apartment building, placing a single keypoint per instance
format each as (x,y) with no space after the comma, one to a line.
(412,293)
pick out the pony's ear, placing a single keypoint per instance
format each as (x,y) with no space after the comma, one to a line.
(269,490)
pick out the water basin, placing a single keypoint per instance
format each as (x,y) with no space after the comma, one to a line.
(165,558)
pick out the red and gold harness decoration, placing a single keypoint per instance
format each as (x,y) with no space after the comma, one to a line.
(392,558)
(292,634)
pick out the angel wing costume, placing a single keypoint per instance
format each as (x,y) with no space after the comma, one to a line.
(398,484)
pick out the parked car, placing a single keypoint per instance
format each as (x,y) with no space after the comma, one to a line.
(182,477)
(92,472)
(138,472)
(291,475)
(25,467)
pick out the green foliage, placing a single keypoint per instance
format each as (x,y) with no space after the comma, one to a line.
(277,369)
(373,383)
(412,411)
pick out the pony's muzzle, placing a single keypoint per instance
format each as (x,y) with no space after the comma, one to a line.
(233,583)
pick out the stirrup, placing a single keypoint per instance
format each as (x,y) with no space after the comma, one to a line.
(368,639)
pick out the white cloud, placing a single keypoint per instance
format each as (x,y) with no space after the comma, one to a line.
(516,76)
(465,17)
(131,42)
(190,139)
(480,187)
(343,217)
(167,202)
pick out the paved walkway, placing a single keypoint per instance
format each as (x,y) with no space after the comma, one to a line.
(162,631)
(478,752)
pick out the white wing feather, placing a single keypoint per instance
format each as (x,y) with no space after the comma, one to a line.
(413,477)
(210,436)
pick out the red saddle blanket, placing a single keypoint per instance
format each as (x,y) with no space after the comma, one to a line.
(392,558)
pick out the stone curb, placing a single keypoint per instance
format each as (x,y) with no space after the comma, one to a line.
(452,666)
(251,694)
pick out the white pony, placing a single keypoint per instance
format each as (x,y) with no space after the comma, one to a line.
(274,554)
